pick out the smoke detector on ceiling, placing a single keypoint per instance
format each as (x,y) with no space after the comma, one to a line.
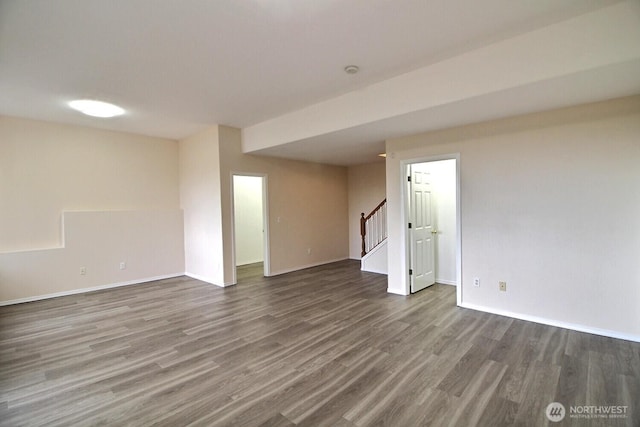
(351,69)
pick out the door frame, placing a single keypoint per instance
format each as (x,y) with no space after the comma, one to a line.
(406,213)
(265,223)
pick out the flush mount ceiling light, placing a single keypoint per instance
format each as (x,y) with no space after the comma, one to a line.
(96,108)
(351,69)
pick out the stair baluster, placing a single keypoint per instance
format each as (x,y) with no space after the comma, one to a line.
(373,227)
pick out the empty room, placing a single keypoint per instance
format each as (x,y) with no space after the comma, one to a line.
(319,213)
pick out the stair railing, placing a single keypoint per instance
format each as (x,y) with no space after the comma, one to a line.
(373,227)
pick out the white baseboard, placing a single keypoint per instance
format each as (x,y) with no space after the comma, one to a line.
(302,267)
(551,322)
(446,282)
(374,270)
(92,289)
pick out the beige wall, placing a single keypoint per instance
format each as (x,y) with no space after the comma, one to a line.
(549,204)
(118,185)
(48,168)
(307,207)
(367,188)
(150,243)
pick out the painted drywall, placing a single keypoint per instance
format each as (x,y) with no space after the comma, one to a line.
(549,204)
(367,188)
(443,187)
(150,243)
(200,201)
(375,261)
(307,207)
(77,197)
(247,205)
(579,46)
(48,168)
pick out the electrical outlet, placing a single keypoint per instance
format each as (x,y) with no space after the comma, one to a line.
(123,265)
(83,271)
(476,282)
(308,251)
(502,286)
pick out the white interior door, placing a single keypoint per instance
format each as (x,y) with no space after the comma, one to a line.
(421,229)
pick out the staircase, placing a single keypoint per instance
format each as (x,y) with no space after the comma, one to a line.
(373,230)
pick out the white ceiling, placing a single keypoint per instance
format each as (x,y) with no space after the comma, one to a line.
(363,144)
(180,66)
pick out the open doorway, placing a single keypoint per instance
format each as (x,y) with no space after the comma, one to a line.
(432,234)
(250,227)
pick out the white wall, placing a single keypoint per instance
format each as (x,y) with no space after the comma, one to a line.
(367,188)
(248,221)
(77,197)
(200,200)
(549,204)
(375,260)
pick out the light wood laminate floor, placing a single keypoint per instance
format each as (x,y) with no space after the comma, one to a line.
(325,346)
